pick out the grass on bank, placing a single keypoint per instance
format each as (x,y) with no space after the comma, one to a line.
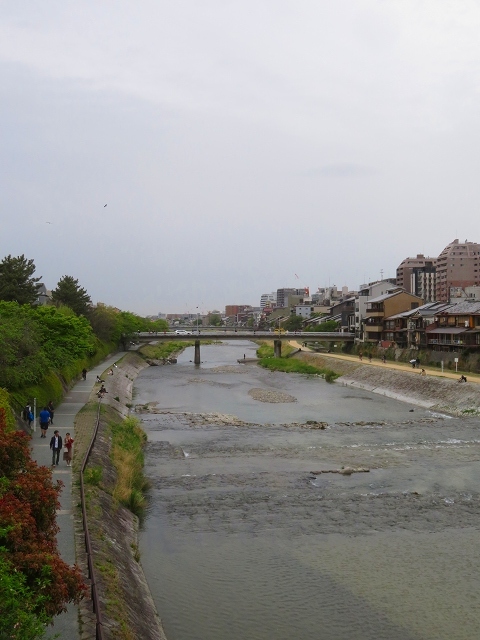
(265,353)
(265,349)
(128,441)
(163,349)
(166,349)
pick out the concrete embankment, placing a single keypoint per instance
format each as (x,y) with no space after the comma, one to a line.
(127,607)
(433,392)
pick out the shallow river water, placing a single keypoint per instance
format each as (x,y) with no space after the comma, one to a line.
(242,541)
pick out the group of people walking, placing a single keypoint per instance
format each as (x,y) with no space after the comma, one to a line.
(56,446)
(46,416)
(57,443)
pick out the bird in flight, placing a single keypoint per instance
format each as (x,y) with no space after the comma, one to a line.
(104,206)
(46,222)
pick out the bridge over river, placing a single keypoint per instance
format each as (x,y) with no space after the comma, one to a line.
(244,334)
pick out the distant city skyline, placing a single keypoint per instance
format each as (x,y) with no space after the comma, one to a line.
(183,155)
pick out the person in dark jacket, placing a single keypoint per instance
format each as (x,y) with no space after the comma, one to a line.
(56,447)
(51,411)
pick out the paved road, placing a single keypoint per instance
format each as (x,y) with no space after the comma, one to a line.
(66,625)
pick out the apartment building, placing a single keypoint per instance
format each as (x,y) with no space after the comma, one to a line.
(457,266)
(288,297)
(268,299)
(417,275)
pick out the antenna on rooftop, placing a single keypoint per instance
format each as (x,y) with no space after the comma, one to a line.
(381,274)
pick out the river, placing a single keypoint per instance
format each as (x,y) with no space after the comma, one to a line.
(242,540)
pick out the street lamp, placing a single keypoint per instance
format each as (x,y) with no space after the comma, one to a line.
(197,321)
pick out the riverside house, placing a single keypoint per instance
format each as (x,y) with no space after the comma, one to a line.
(456,328)
(384,307)
(407,329)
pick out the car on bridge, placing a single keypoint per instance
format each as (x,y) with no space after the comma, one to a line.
(183,332)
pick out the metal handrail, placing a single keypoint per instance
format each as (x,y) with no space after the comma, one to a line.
(88,545)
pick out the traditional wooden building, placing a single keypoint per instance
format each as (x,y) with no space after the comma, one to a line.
(456,328)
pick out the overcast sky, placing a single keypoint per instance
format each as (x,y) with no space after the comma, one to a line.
(240,145)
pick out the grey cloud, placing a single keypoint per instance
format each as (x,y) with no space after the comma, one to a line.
(341,170)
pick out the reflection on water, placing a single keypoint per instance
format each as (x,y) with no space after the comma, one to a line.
(242,542)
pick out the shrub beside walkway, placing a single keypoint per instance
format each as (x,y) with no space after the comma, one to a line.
(66,625)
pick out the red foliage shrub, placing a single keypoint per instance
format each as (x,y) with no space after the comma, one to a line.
(28,528)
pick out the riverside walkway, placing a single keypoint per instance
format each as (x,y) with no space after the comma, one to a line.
(66,625)
(389,364)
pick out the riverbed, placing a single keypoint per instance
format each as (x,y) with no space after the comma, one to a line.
(255,531)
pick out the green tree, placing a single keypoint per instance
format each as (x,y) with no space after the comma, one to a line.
(106,323)
(22,360)
(65,336)
(130,323)
(159,325)
(18,619)
(17,283)
(327,326)
(294,323)
(35,340)
(71,294)
(214,320)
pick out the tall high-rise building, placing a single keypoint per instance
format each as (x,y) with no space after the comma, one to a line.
(457,266)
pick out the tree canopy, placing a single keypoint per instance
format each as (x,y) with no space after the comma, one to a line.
(214,320)
(17,283)
(327,326)
(71,294)
(38,339)
(294,323)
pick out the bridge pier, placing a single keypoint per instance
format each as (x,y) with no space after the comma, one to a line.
(277,348)
(196,358)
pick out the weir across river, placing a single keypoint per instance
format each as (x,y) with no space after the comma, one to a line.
(244,334)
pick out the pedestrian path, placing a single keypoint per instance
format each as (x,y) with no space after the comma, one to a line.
(66,625)
(389,364)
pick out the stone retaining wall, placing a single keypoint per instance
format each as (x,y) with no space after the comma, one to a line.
(434,392)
